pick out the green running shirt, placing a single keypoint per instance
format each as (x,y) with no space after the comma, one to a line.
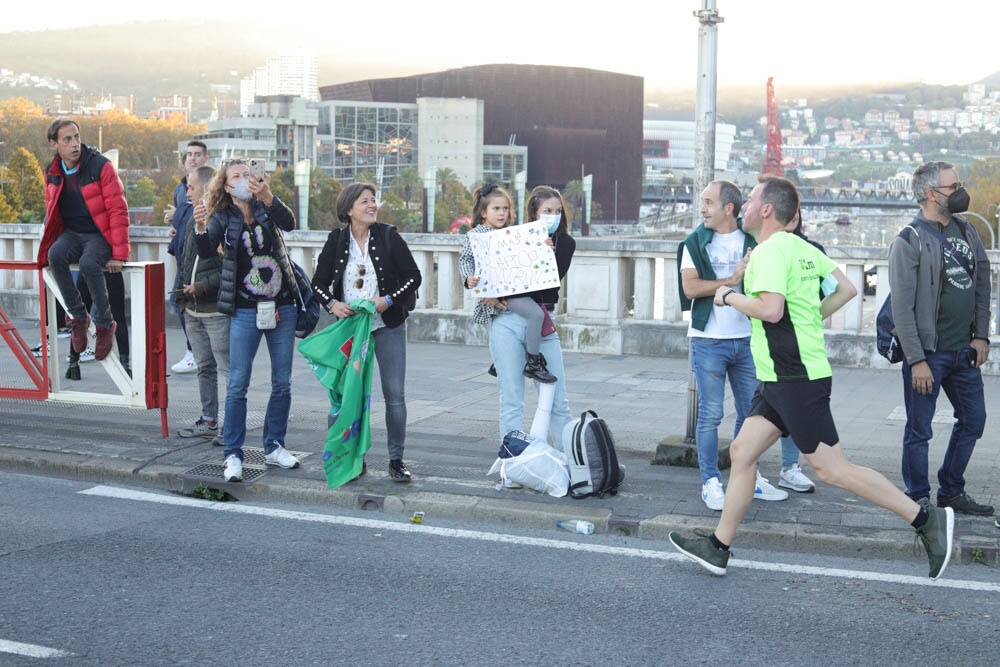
(791,349)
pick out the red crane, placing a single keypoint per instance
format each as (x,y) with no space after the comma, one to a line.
(772,160)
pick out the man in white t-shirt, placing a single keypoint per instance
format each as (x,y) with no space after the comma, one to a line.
(716,254)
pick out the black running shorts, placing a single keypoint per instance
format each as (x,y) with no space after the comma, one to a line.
(798,409)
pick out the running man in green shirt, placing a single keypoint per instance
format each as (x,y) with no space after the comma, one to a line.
(786,341)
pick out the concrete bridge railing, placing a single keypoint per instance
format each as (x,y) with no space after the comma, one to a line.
(620,296)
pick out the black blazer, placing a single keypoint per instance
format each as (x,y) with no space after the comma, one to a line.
(397,273)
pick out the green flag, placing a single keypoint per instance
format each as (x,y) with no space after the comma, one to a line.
(342,356)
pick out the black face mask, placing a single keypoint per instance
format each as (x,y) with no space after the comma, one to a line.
(958,201)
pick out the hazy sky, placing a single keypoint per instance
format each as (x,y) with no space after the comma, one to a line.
(796,41)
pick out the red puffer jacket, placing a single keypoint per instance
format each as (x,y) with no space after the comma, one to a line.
(104,195)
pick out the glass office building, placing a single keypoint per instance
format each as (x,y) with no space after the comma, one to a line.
(353,137)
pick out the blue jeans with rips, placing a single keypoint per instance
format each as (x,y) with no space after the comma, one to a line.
(507,347)
(712,360)
(963,386)
(244,339)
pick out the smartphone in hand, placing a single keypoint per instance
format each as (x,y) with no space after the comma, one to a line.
(257,168)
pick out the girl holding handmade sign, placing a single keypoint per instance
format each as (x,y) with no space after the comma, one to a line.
(493,209)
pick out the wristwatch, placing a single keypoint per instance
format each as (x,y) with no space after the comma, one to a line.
(726,294)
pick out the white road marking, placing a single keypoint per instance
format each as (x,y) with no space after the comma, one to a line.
(240,508)
(31,650)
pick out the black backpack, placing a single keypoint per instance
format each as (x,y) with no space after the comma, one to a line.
(886,341)
(590,451)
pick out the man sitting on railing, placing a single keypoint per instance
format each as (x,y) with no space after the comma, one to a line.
(86,222)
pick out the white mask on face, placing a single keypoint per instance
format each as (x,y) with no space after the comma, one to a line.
(551,221)
(241,190)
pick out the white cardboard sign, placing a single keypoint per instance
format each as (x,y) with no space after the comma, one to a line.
(513,260)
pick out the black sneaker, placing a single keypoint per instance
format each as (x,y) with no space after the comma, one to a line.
(492,369)
(937,535)
(398,471)
(702,551)
(964,504)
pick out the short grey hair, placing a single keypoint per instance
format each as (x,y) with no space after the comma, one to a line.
(729,193)
(928,176)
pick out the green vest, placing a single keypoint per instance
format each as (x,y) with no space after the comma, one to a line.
(695,245)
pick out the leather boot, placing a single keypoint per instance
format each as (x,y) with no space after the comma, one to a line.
(536,370)
(105,341)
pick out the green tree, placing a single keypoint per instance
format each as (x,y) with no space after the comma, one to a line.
(323,193)
(984,188)
(7,212)
(283,186)
(446,178)
(574,196)
(408,185)
(455,203)
(393,210)
(25,189)
(164,198)
(142,193)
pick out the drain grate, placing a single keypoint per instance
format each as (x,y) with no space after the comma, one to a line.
(212,472)
(254,468)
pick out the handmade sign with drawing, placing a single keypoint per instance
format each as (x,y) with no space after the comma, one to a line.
(513,260)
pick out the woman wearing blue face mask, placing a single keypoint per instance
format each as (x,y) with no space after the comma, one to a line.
(257,290)
(508,333)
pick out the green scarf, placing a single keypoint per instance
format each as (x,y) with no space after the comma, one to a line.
(342,357)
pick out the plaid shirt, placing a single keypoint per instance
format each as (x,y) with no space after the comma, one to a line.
(482,314)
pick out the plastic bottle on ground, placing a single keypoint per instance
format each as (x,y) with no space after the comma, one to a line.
(577,526)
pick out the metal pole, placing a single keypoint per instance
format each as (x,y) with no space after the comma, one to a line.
(704,148)
(705,100)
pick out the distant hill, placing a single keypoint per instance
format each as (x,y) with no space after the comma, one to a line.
(170,57)
(154,58)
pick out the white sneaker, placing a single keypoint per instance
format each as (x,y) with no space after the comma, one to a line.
(233,471)
(765,491)
(712,494)
(281,457)
(793,478)
(85,356)
(185,365)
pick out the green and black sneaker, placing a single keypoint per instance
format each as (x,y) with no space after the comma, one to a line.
(936,535)
(702,551)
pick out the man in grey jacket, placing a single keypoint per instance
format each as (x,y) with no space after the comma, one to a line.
(940,279)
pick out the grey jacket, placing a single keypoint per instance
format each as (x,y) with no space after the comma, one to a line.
(916,274)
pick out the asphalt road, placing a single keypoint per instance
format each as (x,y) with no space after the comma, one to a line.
(116,576)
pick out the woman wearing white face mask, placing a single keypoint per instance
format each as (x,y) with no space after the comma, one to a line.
(492,209)
(508,332)
(257,290)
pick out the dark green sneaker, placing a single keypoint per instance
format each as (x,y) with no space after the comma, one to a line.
(936,535)
(702,551)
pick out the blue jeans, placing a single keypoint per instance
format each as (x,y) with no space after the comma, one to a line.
(964,387)
(390,353)
(244,339)
(507,347)
(712,359)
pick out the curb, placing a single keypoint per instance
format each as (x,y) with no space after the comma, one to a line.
(800,538)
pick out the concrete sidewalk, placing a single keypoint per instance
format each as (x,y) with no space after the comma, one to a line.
(452,439)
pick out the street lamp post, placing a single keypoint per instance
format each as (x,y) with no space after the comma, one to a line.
(704,147)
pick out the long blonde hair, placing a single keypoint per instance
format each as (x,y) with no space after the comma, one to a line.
(216,197)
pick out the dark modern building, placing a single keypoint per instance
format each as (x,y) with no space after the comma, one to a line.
(572,120)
